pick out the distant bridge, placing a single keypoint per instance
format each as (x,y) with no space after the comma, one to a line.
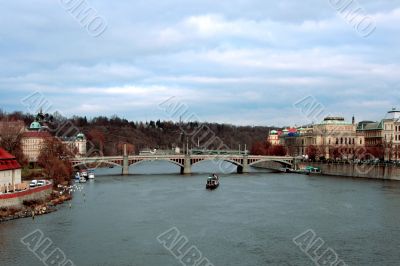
(185,162)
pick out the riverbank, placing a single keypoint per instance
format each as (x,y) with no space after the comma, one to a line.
(32,208)
(370,171)
(353,170)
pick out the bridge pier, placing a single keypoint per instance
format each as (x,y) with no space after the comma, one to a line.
(244,168)
(125,164)
(187,166)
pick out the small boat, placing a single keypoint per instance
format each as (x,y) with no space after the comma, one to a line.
(82,180)
(91,174)
(212,182)
(314,170)
(77,176)
(84,173)
(310,170)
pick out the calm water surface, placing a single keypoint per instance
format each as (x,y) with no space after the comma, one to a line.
(250,220)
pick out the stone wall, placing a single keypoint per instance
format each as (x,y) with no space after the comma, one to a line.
(384,172)
(17,199)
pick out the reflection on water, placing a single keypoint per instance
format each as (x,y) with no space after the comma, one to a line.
(249,220)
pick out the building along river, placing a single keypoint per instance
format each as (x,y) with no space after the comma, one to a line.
(249,220)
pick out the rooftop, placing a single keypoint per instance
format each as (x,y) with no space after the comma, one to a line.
(8,161)
(36,134)
(393,115)
(370,125)
(334,120)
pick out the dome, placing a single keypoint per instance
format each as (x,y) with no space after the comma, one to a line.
(80,136)
(392,115)
(35,126)
(274,132)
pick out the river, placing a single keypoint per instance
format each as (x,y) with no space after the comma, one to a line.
(249,220)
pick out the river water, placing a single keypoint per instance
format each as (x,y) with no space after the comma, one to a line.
(249,220)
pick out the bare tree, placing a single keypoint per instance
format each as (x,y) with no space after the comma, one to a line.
(10,138)
(53,158)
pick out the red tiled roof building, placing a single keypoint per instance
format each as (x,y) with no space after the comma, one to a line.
(10,171)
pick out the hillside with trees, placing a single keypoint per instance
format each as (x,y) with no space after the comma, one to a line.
(108,134)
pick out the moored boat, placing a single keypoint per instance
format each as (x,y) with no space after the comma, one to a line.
(77,176)
(313,170)
(91,174)
(212,182)
(84,173)
(309,170)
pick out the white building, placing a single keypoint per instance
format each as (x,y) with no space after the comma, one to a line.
(273,137)
(32,143)
(77,144)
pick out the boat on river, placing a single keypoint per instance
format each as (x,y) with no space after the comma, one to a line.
(313,170)
(212,182)
(91,174)
(77,176)
(84,173)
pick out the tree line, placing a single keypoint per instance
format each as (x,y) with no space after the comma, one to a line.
(108,134)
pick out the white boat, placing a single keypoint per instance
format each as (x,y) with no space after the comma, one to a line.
(77,176)
(91,175)
(82,180)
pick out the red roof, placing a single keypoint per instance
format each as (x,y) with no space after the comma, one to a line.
(7,161)
(5,155)
(36,134)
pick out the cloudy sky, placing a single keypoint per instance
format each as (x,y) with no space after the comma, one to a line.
(237,61)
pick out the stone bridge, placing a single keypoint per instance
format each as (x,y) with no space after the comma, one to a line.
(185,162)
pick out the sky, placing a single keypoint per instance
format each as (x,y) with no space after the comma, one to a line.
(245,62)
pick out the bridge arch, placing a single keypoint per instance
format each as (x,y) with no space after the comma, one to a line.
(231,166)
(218,159)
(282,162)
(97,162)
(154,160)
